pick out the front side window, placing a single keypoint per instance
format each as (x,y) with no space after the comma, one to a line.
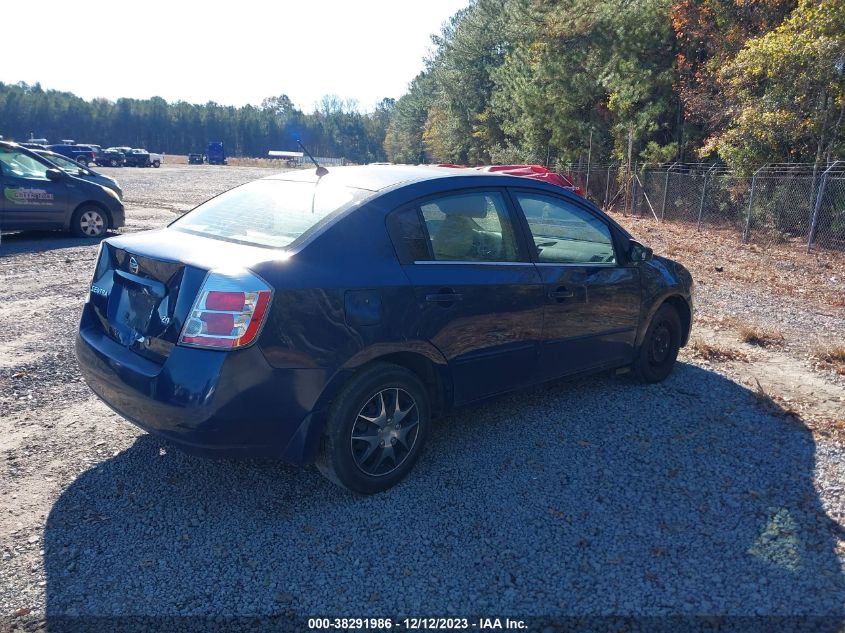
(470,227)
(564,233)
(16,163)
(66,165)
(268,212)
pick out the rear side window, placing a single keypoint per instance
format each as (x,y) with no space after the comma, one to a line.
(268,212)
(564,233)
(407,234)
(470,227)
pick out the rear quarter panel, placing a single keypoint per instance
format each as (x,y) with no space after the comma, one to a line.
(310,324)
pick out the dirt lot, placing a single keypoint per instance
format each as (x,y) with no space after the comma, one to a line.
(721,491)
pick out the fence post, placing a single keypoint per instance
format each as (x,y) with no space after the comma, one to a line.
(666,191)
(607,187)
(814,221)
(747,231)
(589,161)
(703,192)
(634,206)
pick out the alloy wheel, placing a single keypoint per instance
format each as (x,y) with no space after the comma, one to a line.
(385,431)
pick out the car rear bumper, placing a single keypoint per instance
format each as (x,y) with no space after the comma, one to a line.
(225,404)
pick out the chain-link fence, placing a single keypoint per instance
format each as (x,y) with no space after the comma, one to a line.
(783,203)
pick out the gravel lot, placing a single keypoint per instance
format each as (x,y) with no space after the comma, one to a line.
(593,497)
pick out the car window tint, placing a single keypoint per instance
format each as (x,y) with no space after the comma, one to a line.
(564,233)
(472,227)
(407,234)
(269,212)
(16,163)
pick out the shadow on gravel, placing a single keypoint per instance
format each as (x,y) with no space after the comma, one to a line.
(594,498)
(42,241)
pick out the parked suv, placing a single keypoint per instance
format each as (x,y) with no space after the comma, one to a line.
(82,154)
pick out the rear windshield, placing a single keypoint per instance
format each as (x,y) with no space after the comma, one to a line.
(268,212)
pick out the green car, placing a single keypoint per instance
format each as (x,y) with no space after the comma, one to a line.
(38,195)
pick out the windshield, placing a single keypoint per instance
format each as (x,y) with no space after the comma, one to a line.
(268,212)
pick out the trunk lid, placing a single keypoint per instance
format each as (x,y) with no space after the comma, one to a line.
(145,284)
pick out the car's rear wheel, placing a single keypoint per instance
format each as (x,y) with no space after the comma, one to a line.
(89,221)
(82,161)
(659,350)
(376,429)
(113,162)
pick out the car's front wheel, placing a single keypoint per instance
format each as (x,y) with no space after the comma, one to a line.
(89,221)
(659,350)
(376,429)
(156,164)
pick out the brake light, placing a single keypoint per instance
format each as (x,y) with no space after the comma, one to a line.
(228,312)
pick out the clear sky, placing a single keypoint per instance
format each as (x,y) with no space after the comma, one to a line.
(233,52)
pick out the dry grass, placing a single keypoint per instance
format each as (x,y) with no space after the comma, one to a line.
(703,350)
(269,163)
(832,359)
(780,268)
(761,337)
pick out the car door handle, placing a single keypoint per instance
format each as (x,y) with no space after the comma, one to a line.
(444,297)
(561,293)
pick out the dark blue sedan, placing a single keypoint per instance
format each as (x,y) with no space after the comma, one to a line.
(329,318)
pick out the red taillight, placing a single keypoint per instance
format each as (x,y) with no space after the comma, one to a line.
(217,300)
(228,312)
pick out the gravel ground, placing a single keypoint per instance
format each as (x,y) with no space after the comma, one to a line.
(593,497)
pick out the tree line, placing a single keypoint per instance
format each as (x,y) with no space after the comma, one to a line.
(335,128)
(537,81)
(553,81)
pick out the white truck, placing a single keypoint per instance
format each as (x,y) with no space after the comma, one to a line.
(156,159)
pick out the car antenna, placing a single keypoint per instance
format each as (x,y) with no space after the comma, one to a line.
(321,171)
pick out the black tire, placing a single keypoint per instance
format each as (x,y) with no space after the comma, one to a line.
(113,162)
(82,161)
(659,350)
(351,463)
(89,221)
(156,164)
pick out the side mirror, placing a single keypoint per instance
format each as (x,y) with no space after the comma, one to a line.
(639,253)
(55,174)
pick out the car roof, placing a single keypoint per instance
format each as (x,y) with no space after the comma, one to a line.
(378,177)
(11,145)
